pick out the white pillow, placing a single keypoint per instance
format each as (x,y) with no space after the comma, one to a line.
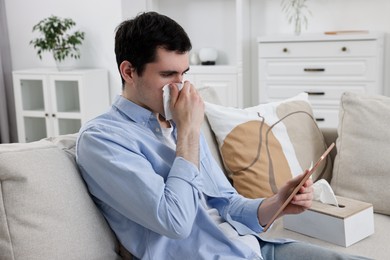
(264,146)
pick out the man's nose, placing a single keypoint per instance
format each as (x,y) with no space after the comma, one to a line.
(178,79)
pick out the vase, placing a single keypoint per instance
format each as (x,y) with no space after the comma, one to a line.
(208,56)
(297,12)
(298,26)
(65,65)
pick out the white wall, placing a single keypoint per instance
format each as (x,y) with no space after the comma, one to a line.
(97,18)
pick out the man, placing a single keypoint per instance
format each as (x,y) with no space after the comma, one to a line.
(155,180)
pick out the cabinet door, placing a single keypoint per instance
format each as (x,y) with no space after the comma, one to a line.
(32,107)
(225,85)
(65,104)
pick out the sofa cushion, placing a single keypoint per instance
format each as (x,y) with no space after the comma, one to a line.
(45,209)
(264,146)
(361,167)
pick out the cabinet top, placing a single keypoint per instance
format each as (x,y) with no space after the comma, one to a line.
(51,71)
(332,36)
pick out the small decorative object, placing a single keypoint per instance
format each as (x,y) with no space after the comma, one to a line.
(208,56)
(56,39)
(194,58)
(297,12)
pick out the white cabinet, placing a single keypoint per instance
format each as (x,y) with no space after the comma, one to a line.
(50,103)
(324,66)
(223,79)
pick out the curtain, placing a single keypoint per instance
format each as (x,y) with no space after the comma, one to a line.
(8,132)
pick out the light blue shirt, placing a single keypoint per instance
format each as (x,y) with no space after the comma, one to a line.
(151,198)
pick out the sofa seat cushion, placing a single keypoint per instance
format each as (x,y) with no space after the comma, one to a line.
(45,209)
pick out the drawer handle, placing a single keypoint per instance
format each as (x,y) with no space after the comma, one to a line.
(320,119)
(344,49)
(285,50)
(314,69)
(315,93)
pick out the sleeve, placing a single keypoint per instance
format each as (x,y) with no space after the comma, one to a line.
(120,175)
(239,211)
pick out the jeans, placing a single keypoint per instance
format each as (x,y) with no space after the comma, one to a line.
(301,251)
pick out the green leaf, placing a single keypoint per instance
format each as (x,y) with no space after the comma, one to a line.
(55,38)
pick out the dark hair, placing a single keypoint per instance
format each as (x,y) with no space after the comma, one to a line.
(137,39)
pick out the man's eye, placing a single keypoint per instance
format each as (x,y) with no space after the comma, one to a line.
(166,75)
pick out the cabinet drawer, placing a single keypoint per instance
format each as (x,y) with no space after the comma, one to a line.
(318,94)
(363,48)
(329,69)
(326,117)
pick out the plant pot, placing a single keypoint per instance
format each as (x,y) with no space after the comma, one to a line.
(65,65)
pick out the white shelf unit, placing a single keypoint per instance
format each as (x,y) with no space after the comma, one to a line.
(218,24)
(50,102)
(324,66)
(223,79)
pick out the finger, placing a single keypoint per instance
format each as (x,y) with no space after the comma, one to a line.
(308,183)
(186,87)
(174,94)
(296,180)
(303,199)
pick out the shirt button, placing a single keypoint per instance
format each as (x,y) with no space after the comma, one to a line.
(157,130)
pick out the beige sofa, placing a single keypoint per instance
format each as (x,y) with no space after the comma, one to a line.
(46,211)
(373,246)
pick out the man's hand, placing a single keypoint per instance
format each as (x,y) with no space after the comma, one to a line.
(188,113)
(300,202)
(187,106)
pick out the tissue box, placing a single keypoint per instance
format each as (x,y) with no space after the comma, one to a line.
(344,225)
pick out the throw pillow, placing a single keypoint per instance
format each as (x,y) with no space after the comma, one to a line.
(361,167)
(264,146)
(45,209)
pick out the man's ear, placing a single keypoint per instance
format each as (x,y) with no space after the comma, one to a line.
(127,71)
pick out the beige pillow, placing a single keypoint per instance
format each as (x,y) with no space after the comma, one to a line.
(361,169)
(45,209)
(264,146)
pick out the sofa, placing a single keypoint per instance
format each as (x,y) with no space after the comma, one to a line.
(47,213)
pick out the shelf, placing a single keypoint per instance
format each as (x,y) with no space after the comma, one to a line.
(51,103)
(212,69)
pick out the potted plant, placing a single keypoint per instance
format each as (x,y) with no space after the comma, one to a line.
(56,39)
(297,12)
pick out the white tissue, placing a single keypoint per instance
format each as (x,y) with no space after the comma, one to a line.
(167,99)
(324,193)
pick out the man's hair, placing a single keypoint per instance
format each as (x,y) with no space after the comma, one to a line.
(137,39)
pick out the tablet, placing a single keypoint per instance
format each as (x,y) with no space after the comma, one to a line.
(305,177)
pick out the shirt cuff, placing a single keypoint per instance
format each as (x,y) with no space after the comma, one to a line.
(250,214)
(184,170)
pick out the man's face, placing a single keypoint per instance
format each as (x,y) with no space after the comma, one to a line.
(169,67)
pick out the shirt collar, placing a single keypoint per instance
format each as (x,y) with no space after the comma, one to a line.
(135,112)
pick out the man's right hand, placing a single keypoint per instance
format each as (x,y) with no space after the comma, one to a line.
(188,113)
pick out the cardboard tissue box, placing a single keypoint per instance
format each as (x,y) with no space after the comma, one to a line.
(344,225)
